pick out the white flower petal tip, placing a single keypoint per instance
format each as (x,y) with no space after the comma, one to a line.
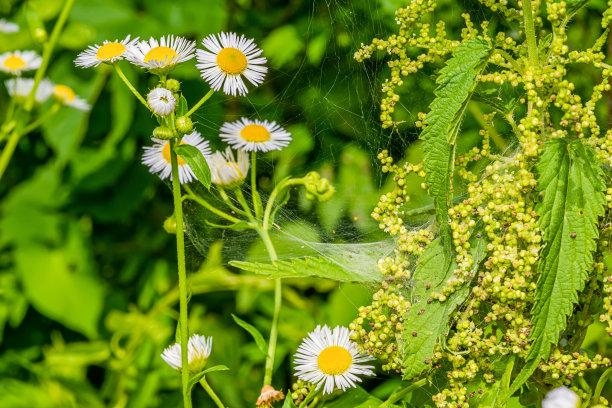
(109,52)
(161,101)
(16,62)
(561,397)
(199,348)
(330,359)
(255,135)
(20,88)
(226,170)
(226,59)
(157,157)
(8,27)
(66,95)
(161,56)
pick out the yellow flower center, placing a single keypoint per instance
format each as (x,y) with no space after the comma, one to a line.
(64,92)
(110,50)
(255,133)
(231,61)
(335,360)
(166,154)
(14,62)
(161,54)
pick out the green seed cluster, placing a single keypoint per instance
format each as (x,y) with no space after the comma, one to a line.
(299,391)
(494,227)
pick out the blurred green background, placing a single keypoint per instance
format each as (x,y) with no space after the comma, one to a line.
(88,295)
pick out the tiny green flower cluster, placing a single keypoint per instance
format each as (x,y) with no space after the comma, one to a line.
(498,210)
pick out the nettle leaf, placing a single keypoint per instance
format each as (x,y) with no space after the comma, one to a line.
(257,336)
(196,161)
(572,187)
(455,85)
(427,319)
(318,266)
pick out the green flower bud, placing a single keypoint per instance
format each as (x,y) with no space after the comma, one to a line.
(173,85)
(163,132)
(184,125)
(170,225)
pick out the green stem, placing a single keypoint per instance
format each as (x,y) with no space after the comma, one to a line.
(208,206)
(130,86)
(210,392)
(182,273)
(401,393)
(244,203)
(228,201)
(48,50)
(478,115)
(200,103)
(32,126)
(532,45)
(8,150)
(254,192)
(278,288)
(312,394)
(600,384)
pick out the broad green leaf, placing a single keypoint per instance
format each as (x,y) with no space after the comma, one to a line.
(289,402)
(182,107)
(196,378)
(321,267)
(196,161)
(259,339)
(572,188)
(427,319)
(282,45)
(455,85)
(356,398)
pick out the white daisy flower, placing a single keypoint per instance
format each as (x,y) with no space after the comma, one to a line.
(20,88)
(225,170)
(157,157)
(228,58)
(161,101)
(198,350)
(255,135)
(16,62)
(109,52)
(160,56)
(8,27)
(328,357)
(65,95)
(561,397)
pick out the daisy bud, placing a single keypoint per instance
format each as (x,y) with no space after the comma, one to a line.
(170,225)
(561,397)
(161,101)
(163,133)
(173,85)
(184,125)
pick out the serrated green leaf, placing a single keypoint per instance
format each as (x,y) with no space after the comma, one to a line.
(257,336)
(196,161)
(570,181)
(455,85)
(429,319)
(309,266)
(196,378)
(182,108)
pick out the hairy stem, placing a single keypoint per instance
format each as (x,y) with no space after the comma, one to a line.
(532,45)
(402,392)
(254,192)
(601,383)
(182,273)
(130,86)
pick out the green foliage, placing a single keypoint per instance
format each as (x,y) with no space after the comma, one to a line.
(572,188)
(455,85)
(196,378)
(196,161)
(257,336)
(321,267)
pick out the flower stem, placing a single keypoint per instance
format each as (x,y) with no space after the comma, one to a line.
(256,198)
(200,103)
(32,126)
(601,383)
(401,393)
(278,287)
(208,206)
(182,273)
(532,45)
(210,392)
(48,50)
(130,86)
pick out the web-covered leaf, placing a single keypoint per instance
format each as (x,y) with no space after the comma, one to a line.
(572,188)
(318,266)
(455,84)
